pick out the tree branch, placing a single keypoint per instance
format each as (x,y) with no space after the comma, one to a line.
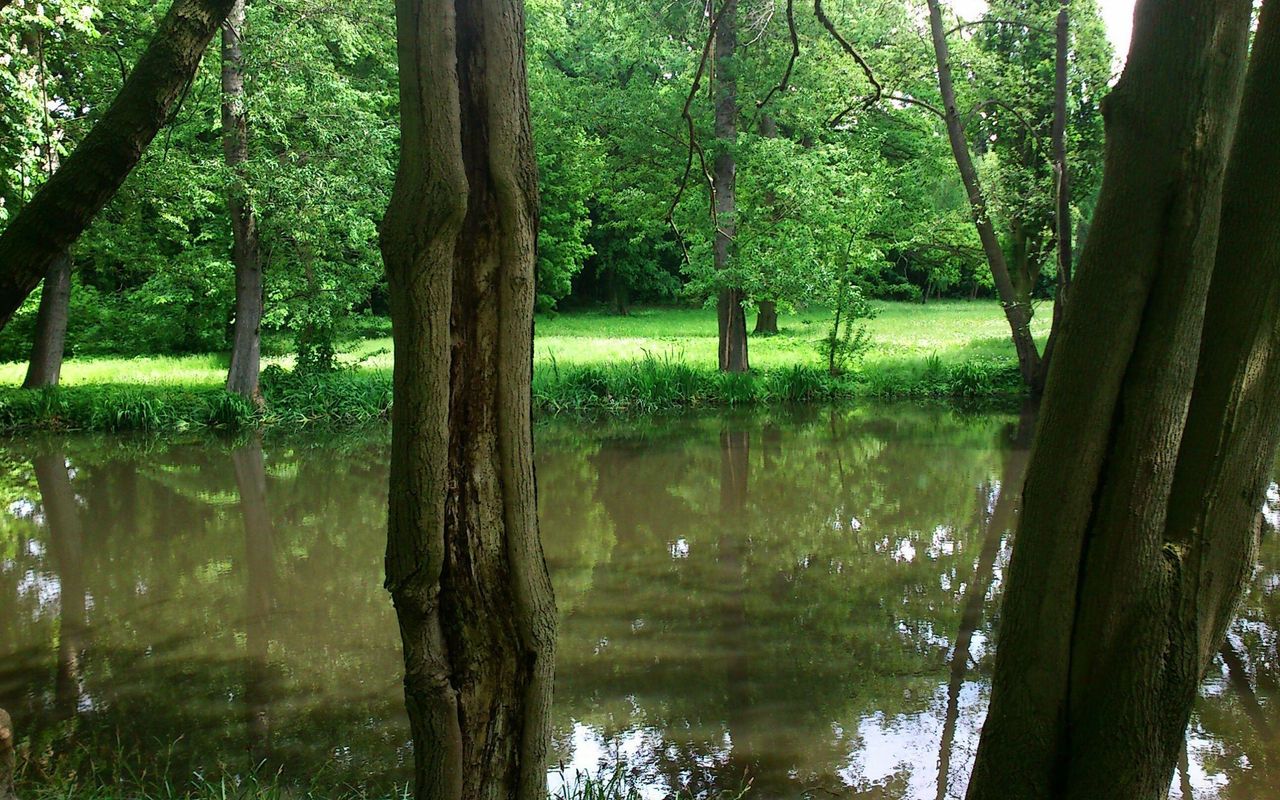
(848,48)
(694,147)
(791,62)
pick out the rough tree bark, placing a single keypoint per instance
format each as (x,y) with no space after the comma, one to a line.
(46,227)
(1016,302)
(1143,496)
(246,347)
(731,317)
(464,560)
(45,366)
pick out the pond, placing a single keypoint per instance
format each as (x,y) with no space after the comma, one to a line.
(803,600)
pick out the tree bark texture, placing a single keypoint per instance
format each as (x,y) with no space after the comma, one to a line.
(730,315)
(59,212)
(1016,299)
(246,347)
(1143,495)
(45,366)
(464,560)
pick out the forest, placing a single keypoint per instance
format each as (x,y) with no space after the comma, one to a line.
(251,223)
(681,399)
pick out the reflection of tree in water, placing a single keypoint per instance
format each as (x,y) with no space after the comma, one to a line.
(740,617)
(203,637)
(62,518)
(259,546)
(1235,731)
(738,596)
(996,520)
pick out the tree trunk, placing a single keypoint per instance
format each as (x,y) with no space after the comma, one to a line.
(731,318)
(1062,175)
(47,226)
(1143,493)
(1016,309)
(45,366)
(767,319)
(246,348)
(259,546)
(464,560)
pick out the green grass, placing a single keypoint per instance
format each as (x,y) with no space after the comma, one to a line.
(654,359)
(122,782)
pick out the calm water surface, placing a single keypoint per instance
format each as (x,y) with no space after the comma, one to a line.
(799,600)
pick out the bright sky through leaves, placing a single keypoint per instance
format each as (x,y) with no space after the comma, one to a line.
(1117,14)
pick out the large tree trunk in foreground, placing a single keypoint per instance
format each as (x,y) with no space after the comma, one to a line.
(464,560)
(1016,302)
(246,348)
(1142,502)
(731,318)
(45,366)
(46,227)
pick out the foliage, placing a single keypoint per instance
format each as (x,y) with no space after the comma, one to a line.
(607,84)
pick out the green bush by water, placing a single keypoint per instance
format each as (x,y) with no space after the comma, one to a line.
(353,396)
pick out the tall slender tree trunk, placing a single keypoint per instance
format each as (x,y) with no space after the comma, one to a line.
(1142,502)
(730,315)
(246,347)
(464,560)
(46,227)
(1017,308)
(45,366)
(1062,189)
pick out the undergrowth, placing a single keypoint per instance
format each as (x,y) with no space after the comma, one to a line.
(353,396)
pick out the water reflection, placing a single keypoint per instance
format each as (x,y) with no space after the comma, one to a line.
(801,601)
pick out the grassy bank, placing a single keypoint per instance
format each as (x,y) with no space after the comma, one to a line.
(655,359)
(263,784)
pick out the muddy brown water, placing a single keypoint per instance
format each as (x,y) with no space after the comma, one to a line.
(802,600)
